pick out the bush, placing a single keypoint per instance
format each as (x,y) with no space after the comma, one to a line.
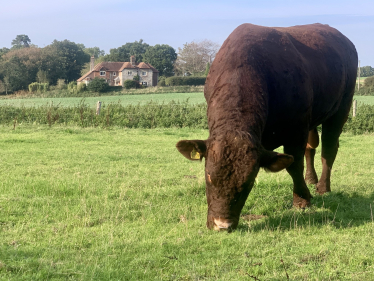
(130,84)
(61,84)
(72,86)
(189,80)
(368,87)
(98,85)
(161,81)
(363,122)
(81,87)
(38,87)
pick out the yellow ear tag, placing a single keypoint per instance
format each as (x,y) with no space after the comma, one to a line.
(195,155)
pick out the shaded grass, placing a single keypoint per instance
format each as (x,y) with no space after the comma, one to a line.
(85,204)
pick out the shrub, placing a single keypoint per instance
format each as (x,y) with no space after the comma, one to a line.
(38,87)
(33,87)
(161,81)
(72,86)
(61,84)
(81,87)
(130,84)
(98,85)
(189,80)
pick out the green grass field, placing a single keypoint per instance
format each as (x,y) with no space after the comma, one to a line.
(123,204)
(123,99)
(364,99)
(194,98)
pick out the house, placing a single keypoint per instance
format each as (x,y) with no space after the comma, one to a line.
(115,73)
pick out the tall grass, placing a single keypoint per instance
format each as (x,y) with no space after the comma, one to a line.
(149,115)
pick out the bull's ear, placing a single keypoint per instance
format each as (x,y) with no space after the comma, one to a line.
(275,162)
(192,149)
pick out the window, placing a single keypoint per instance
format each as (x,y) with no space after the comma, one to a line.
(114,74)
(144,73)
(144,83)
(129,73)
(102,73)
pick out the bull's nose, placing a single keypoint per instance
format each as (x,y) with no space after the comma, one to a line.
(222,224)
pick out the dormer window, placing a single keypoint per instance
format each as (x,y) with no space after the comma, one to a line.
(102,73)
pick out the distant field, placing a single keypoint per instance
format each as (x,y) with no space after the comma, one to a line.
(361,79)
(364,99)
(128,99)
(123,99)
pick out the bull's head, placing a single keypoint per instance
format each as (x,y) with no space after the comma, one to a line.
(232,162)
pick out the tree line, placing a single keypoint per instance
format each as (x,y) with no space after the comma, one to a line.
(25,63)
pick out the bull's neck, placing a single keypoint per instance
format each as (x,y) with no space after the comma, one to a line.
(237,107)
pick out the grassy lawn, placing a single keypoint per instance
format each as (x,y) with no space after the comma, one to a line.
(123,99)
(122,204)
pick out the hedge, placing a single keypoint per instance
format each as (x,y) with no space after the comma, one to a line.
(150,115)
(185,80)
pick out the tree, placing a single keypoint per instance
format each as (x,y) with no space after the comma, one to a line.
(194,56)
(162,57)
(366,71)
(15,73)
(3,51)
(68,59)
(21,41)
(94,51)
(123,53)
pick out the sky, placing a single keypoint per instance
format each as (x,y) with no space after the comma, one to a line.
(112,23)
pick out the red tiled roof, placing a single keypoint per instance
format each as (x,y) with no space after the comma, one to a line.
(108,66)
(127,65)
(84,76)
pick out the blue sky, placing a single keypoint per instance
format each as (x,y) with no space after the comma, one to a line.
(112,23)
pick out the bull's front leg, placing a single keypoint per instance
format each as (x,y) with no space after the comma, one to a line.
(301,193)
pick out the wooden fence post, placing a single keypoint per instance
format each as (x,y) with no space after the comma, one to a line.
(354,108)
(98,107)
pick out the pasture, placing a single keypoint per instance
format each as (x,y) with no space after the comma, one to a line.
(193,98)
(123,204)
(123,99)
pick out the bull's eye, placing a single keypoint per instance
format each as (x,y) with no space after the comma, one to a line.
(208,176)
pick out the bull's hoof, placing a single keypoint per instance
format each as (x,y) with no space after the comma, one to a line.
(299,202)
(322,188)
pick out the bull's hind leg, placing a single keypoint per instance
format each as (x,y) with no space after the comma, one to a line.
(331,130)
(310,151)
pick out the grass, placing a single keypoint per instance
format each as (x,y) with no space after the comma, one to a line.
(364,99)
(122,204)
(194,98)
(92,101)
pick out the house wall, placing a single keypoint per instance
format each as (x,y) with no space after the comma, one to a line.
(125,76)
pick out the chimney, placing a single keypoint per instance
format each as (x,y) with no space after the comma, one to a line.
(132,60)
(92,63)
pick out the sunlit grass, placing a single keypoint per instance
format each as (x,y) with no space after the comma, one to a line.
(92,101)
(123,204)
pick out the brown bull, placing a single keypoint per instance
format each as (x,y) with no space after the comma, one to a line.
(271,87)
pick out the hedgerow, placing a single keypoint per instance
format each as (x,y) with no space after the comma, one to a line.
(150,115)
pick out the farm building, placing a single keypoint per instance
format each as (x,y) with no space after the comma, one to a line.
(115,73)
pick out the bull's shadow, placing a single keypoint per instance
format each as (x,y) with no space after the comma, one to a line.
(343,209)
